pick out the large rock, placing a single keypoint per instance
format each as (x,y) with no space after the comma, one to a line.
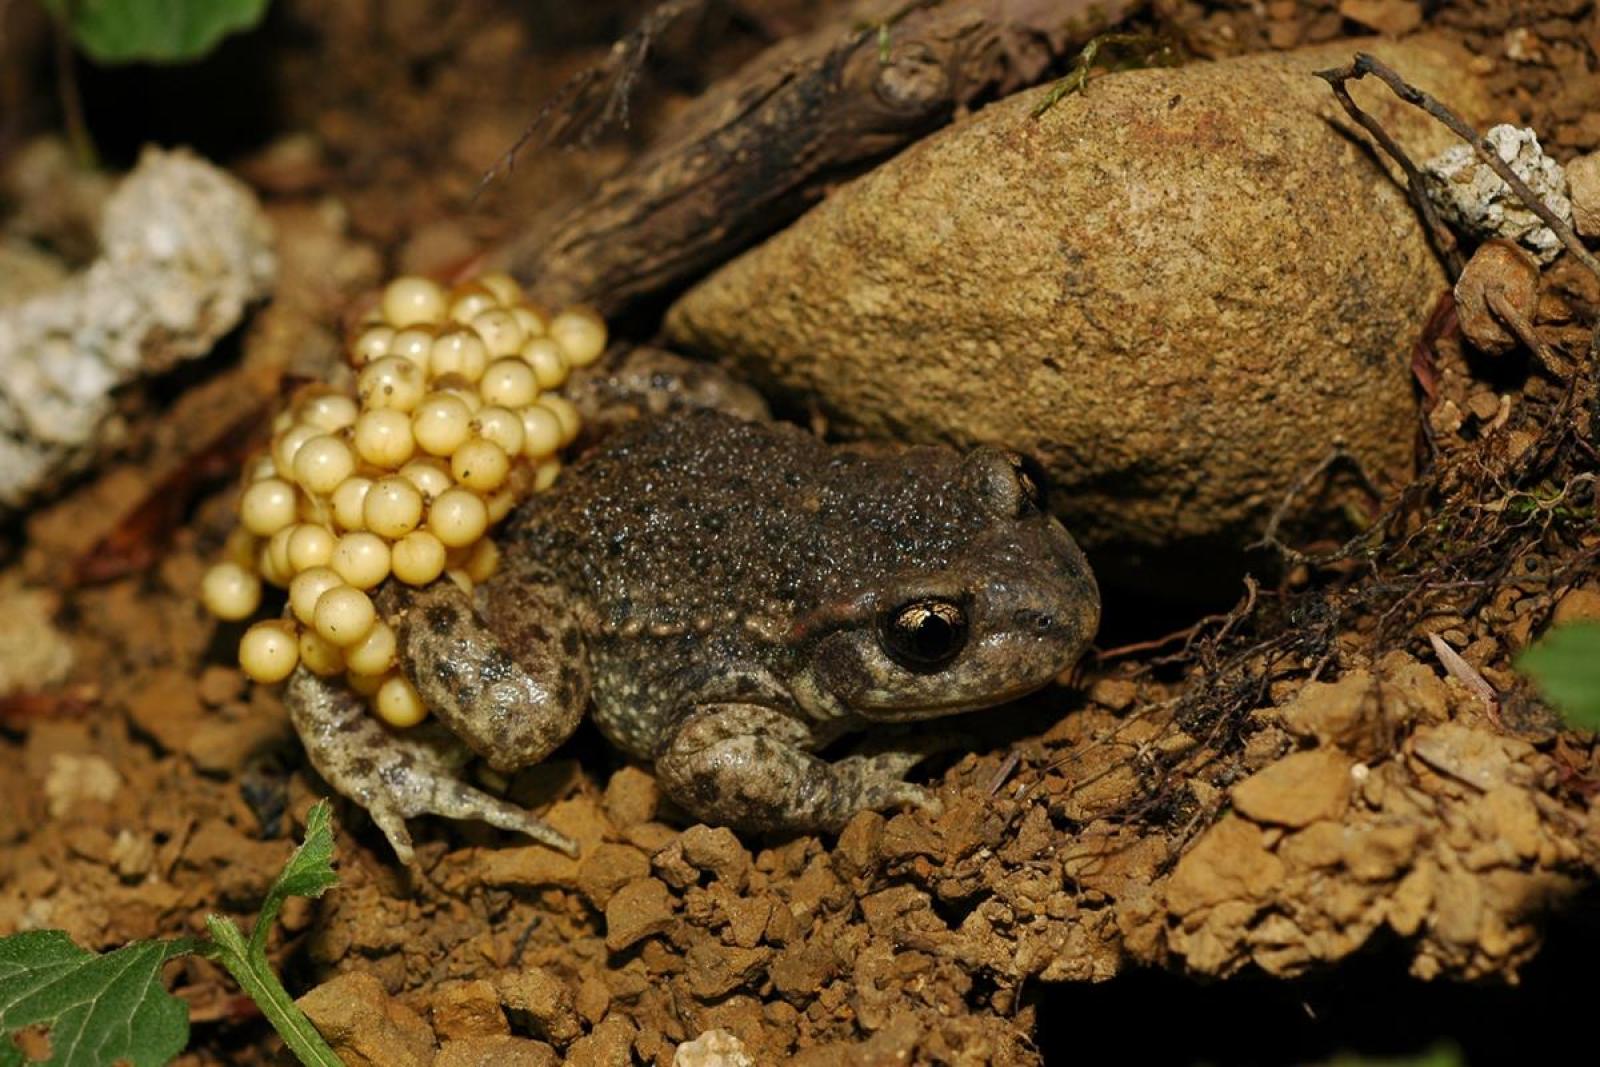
(1180,290)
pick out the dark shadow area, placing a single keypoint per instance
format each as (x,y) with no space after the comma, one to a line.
(1367,1006)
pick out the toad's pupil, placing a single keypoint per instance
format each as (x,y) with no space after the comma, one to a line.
(927,633)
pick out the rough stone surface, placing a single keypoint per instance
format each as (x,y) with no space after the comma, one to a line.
(1478,200)
(1583,185)
(1179,290)
(184,250)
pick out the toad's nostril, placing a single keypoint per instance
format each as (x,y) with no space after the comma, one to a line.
(1038,621)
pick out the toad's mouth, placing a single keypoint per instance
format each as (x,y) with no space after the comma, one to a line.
(881,707)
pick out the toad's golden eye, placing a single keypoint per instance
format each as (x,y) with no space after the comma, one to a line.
(924,635)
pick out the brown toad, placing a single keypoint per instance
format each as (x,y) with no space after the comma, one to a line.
(732,597)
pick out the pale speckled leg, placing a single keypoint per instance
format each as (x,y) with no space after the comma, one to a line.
(514,687)
(747,766)
(395,776)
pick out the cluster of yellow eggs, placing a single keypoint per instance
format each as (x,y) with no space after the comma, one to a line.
(454,418)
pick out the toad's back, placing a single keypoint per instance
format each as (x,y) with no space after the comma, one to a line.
(698,520)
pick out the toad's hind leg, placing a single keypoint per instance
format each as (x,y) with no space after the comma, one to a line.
(512,686)
(747,766)
(395,776)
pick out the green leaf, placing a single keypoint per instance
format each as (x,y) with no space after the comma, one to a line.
(99,1010)
(309,873)
(1565,664)
(155,31)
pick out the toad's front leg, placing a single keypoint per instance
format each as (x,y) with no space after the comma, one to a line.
(748,766)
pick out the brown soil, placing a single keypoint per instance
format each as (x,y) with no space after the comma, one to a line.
(1296,796)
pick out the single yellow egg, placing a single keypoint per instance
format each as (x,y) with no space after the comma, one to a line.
(459,351)
(329,412)
(469,301)
(541,432)
(310,545)
(544,357)
(344,615)
(383,438)
(429,474)
(501,332)
(373,654)
(502,286)
(408,301)
(393,508)
(370,344)
(269,651)
(321,656)
(286,445)
(500,425)
(361,558)
(508,383)
(581,333)
(322,463)
(267,506)
(306,588)
(480,465)
(398,703)
(230,592)
(441,423)
(484,560)
(562,409)
(349,500)
(390,382)
(458,517)
(417,558)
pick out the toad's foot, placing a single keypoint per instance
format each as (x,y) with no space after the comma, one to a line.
(747,766)
(395,776)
